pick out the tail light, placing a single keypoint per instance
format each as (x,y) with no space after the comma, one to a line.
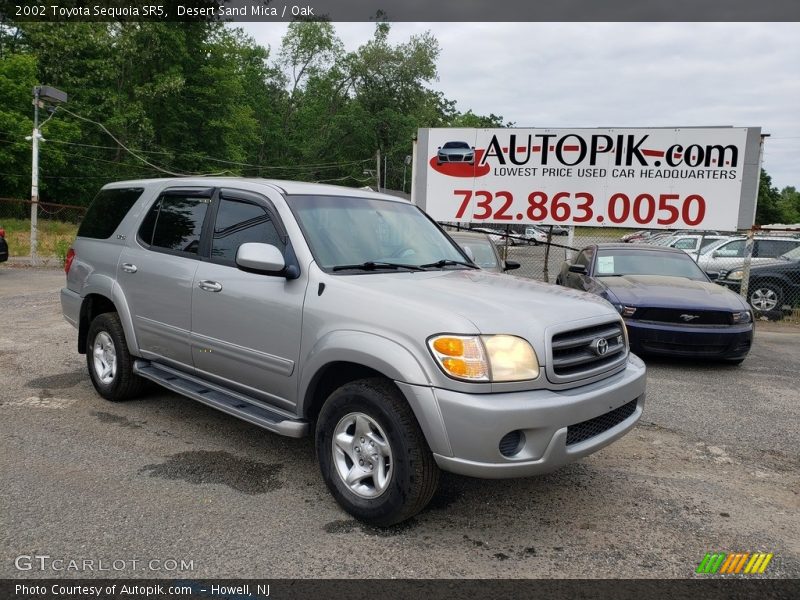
(68,260)
(2,232)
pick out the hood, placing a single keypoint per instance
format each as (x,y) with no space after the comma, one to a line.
(671,292)
(416,305)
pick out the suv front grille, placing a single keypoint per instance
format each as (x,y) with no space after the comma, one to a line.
(588,429)
(582,353)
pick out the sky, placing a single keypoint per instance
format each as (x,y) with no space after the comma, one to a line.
(551,75)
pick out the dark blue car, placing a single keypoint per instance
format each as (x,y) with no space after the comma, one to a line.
(669,304)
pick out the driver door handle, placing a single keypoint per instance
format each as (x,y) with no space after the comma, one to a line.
(129,268)
(210,286)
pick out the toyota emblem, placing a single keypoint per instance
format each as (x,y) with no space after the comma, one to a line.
(599,346)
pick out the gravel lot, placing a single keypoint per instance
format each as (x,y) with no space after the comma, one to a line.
(713,467)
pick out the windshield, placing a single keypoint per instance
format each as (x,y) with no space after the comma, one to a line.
(611,263)
(715,246)
(345,231)
(793,254)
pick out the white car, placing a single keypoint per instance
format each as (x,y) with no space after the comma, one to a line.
(534,235)
(692,243)
(726,255)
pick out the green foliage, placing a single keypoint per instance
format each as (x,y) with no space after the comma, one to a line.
(789,205)
(54,237)
(202,98)
(767,209)
(61,249)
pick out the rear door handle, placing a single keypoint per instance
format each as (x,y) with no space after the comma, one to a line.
(210,286)
(129,268)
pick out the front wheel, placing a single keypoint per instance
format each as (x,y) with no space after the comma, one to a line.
(766,296)
(109,361)
(373,455)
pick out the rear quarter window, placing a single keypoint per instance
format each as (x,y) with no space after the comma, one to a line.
(107,211)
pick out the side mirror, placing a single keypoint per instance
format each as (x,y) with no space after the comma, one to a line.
(713,275)
(470,254)
(263,258)
(580,269)
(510,265)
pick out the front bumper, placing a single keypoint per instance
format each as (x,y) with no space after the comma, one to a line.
(465,430)
(701,341)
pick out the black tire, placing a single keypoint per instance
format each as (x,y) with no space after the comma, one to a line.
(414,475)
(765,296)
(124,383)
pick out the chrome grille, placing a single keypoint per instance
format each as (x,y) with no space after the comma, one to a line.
(586,352)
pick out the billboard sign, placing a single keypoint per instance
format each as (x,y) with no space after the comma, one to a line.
(686,178)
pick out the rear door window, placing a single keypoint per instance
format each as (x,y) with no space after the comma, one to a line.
(175,223)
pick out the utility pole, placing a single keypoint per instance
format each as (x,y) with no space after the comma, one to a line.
(35,178)
(378,169)
(41,93)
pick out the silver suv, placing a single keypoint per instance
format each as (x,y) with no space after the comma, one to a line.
(349,315)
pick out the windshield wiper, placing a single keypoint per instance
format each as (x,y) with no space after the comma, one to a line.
(371,265)
(447,263)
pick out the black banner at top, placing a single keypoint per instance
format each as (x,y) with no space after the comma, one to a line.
(66,11)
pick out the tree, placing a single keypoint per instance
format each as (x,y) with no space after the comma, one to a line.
(789,205)
(202,97)
(767,208)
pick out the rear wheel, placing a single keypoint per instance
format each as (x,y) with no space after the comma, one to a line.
(109,361)
(372,453)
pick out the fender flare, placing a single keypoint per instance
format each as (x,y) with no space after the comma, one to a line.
(103,285)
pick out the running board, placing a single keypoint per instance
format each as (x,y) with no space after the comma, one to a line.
(232,403)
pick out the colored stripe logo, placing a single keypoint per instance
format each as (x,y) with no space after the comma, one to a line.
(745,563)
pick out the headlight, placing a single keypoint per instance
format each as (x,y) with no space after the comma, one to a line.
(735,275)
(485,357)
(742,317)
(625,311)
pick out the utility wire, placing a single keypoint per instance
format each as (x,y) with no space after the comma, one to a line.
(300,168)
(128,150)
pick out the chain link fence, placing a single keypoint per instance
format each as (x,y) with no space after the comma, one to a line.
(56,228)
(763,265)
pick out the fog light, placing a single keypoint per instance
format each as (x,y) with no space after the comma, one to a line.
(512,443)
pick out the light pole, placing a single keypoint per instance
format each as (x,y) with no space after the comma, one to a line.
(41,93)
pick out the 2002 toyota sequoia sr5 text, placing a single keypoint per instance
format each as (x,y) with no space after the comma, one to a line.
(306,308)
